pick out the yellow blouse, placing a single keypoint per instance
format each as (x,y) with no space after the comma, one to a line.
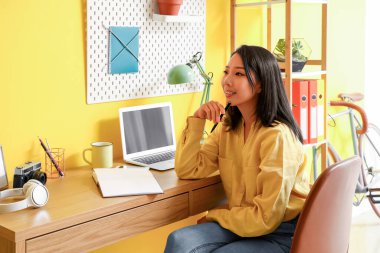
(263,178)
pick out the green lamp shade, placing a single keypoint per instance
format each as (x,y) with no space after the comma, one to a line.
(180,74)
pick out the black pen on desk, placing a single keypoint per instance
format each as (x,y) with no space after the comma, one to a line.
(221,116)
(51,158)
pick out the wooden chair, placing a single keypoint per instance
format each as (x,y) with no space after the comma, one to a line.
(325,221)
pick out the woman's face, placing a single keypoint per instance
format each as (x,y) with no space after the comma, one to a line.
(236,86)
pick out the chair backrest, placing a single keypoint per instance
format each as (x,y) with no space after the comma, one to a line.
(324,223)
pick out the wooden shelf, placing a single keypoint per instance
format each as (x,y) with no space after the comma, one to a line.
(255,3)
(177,19)
(311,1)
(260,3)
(314,144)
(306,74)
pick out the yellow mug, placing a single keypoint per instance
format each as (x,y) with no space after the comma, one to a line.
(102,155)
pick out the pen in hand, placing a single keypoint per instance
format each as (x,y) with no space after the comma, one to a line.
(221,116)
(51,158)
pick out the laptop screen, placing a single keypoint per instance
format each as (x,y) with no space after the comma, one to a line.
(3,173)
(148,127)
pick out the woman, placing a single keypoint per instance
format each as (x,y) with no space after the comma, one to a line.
(258,152)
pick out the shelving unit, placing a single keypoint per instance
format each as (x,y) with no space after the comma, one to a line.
(305,74)
(176,19)
(278,2)
(288,75)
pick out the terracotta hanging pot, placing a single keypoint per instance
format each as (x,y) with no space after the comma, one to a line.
(169,7)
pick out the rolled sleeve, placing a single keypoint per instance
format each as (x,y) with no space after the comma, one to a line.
(194,160)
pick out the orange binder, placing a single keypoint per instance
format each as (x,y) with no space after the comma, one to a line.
(321,111)
(300,105)
(312,111)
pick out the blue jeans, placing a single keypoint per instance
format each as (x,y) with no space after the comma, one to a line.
(211,237)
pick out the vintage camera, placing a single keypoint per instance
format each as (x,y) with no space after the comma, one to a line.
(27,171)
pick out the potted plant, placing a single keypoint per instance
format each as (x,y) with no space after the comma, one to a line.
(300,54)
(169,7)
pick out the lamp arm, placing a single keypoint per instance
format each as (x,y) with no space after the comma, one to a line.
(203,73)
(195,60)
(206,88)
(207,78)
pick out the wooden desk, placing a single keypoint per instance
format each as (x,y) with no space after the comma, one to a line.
(78,219)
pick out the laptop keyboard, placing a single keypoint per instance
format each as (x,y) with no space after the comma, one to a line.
(156,158)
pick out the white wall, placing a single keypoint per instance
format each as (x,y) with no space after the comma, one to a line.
(372,61)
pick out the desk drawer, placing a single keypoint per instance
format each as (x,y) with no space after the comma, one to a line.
(102,231)
(206,198)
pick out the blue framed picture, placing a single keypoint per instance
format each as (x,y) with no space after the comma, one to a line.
(123,50)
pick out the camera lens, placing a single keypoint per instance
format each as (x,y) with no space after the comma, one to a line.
(40,176)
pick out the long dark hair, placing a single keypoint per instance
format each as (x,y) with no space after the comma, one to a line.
(272,103)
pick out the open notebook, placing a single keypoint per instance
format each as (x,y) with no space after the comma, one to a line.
(130,180)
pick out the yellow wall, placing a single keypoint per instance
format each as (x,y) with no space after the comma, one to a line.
(43,80)
(249,26)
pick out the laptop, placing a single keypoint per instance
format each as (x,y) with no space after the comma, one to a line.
(147,135)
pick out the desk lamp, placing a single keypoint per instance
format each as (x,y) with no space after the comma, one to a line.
(183,73)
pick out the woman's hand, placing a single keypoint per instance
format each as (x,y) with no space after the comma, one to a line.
(202,220)
(211,111)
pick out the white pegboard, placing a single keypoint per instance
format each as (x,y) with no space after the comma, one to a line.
(161,46)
